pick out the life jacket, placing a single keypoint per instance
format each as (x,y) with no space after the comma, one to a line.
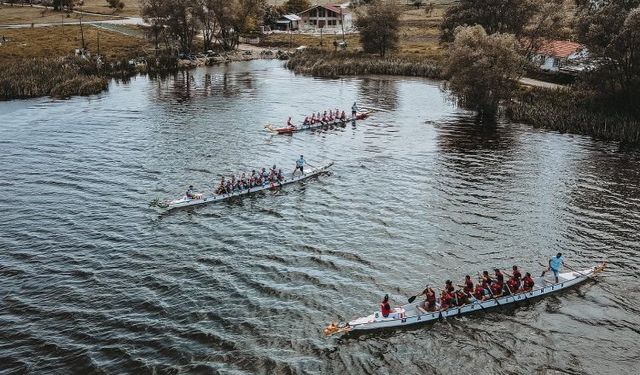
(385,309)
(486,282)
(496,288)
(449,288)
(527,282)
(431,297)
(468,286)
(517,275)
(479,292)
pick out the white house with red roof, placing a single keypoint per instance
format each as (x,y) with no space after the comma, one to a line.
(326,16)
(556,55)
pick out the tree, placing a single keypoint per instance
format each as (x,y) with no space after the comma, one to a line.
(496,16)
(296,6)
(611,32)
(154,13)
(482,69)
(378,25)
(115,4)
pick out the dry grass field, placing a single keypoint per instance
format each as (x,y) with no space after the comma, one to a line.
(12,15)
(62,41)
(131,8)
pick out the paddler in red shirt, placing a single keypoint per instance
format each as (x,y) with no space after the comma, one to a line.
(385,308)
(527,282)
(468,285)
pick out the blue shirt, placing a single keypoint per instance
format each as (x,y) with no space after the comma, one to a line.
(556,263)
(300,162)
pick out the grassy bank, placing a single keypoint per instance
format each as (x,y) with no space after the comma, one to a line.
(334,64)
(40,61)
(27,78)
(573,112)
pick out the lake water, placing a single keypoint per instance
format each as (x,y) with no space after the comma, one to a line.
(96,281)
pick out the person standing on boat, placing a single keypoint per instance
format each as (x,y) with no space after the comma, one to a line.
(555,264)
(354,110)
(300,165)
(290,123)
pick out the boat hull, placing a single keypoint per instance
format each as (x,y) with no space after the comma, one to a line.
(213,198)
(291,130)
(414,316)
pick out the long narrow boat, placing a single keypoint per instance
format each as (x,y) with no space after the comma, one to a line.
(319,125)
(202,199)
(412,313)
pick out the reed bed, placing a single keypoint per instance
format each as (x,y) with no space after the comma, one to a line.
(28,78)
(335,64)
(574,112)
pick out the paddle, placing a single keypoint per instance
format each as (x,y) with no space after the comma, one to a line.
(491,292)
(510,292)
(412,298)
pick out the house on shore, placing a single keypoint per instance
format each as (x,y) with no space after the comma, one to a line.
(561,55)
(288,22)
(326,16)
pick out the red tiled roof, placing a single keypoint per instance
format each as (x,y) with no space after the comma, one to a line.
(559,48)
(331,7)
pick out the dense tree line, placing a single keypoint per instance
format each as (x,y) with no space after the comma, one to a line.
(176,23)
(609,28)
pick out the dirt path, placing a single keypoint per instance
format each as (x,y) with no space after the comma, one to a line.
(536,83)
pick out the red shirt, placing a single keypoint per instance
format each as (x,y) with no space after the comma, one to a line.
(385,309)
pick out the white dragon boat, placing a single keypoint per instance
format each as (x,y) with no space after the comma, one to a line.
(413,313)
(201,198)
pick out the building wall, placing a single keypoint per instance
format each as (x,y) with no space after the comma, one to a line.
(325,18)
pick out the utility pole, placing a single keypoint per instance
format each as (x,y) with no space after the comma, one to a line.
(342,23)
(82,33)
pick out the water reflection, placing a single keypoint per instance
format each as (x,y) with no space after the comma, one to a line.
(208,82)
(379,92)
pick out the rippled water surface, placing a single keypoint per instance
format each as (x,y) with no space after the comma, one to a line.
(93,280)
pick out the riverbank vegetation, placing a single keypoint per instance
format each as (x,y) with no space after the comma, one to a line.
(574,111)
(324,63)
(56,77)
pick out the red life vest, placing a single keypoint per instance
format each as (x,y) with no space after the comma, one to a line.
(528,282)
(468,286)
(385,309)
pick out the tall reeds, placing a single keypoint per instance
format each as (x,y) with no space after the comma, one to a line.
(574,112)
(334,64)
(27,78)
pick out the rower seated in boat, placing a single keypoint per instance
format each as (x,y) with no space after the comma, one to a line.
(343,116)
(512,285)
(221,187)
(479,291)
(280,175)
(307,121)
(448,286)
(461,298)
(446,300)
(190,193)
(468,285)
(385,309)
(429,303)
(485,279)
(527,282)
(499,281)
(264,174)
(290,124)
